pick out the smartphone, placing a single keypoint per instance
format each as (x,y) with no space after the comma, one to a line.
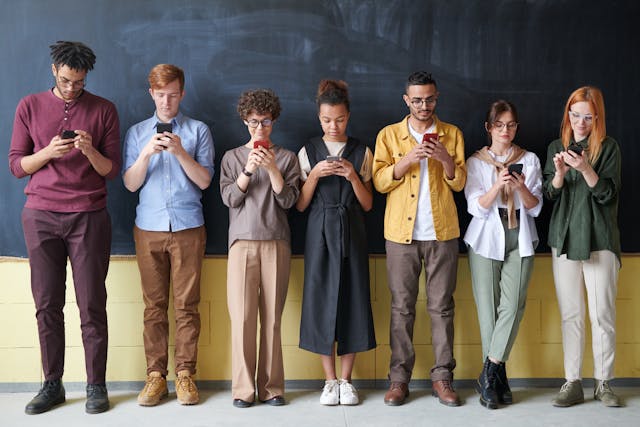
(333,159)
(164,127)
(427,137)
(575,148)
(515,167)
(68,134)
(264,144)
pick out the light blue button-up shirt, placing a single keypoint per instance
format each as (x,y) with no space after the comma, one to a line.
(169,200)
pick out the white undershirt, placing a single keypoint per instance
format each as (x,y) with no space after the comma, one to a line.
(423,228)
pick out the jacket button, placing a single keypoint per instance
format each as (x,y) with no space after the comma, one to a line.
(413,176)
(407,240)
(409,218)
(413,195)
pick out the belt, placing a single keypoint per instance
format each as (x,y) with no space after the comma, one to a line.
(504,213)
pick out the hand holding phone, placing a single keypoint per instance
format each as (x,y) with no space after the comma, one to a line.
(164,127)
(427,137)
(68,134)
(264,144)
(515,167)
(575,148)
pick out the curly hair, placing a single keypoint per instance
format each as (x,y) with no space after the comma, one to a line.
(74,55)
(259,101)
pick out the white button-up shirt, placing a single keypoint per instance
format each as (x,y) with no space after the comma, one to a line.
(485,234)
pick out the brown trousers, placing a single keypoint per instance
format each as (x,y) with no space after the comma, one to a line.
(257,282)
(164,258)
(404,263)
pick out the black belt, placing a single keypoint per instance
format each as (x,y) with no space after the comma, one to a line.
(504,213)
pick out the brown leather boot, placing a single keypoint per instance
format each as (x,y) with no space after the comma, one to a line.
(443,390)
(397,394)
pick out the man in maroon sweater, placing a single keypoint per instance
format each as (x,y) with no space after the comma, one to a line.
(68,141)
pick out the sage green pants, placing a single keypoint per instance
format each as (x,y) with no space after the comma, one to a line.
(500,292)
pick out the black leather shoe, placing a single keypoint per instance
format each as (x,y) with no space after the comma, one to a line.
(502,386)
(487,385)
(97,399)
(275,401)
(50,395)
(239,403)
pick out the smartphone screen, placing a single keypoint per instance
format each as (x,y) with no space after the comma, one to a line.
(164,127)
(575,148)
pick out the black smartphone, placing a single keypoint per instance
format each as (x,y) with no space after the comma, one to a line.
(575,148)
(164,127)
(515,167)
(68,134)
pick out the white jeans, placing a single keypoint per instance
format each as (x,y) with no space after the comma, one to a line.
(599,276)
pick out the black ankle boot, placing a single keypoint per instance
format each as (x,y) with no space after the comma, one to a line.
(50,395)
(487,385)
(502,386)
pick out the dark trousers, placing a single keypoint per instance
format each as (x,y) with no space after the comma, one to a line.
(404,264)
(84,237)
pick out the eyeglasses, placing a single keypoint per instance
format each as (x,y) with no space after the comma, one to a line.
(253,123)
(63,81)
(588,118)
(510,125)
(417,102)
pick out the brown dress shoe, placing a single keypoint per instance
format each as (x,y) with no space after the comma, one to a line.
(445,393)
(397,394)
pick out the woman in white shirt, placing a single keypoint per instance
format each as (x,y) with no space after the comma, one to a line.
(504,194)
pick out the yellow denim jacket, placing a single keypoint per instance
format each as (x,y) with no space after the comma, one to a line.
(393,142)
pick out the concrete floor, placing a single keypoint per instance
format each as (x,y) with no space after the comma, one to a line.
(532,408)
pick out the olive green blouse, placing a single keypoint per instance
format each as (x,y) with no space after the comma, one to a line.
(585,219)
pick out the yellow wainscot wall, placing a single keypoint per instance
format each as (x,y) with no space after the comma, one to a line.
(537,352)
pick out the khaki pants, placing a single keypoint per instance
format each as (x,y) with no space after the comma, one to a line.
(175,257)
(257,282)
(599,276)
(404,263)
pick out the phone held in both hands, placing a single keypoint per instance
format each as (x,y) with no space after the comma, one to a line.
(264,144)
(164,127)
(68,134)
(333,159)
(515,167)
(575,148)
(427,137)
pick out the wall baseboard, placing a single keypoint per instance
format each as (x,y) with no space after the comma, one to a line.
(317,384)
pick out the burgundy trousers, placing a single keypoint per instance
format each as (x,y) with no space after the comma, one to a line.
(85,238)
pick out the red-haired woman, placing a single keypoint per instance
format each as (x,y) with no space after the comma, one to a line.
(582,178)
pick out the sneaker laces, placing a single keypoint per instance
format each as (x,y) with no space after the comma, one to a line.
(347,389)
(153,383)
(329,386)
(186,383)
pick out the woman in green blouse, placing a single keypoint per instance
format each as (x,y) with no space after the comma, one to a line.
(582,178)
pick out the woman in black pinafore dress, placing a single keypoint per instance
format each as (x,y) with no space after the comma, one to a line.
(336,306)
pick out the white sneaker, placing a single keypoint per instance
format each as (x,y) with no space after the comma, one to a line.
(330,393)
(348,393)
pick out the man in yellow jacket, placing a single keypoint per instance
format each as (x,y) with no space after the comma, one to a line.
(418,162)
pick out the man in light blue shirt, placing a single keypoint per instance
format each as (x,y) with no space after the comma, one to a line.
(169,158)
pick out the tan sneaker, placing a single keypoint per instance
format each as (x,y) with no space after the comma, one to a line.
(186,389)
(570,394)
(155,389)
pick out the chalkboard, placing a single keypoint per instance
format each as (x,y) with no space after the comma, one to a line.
(533,53)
